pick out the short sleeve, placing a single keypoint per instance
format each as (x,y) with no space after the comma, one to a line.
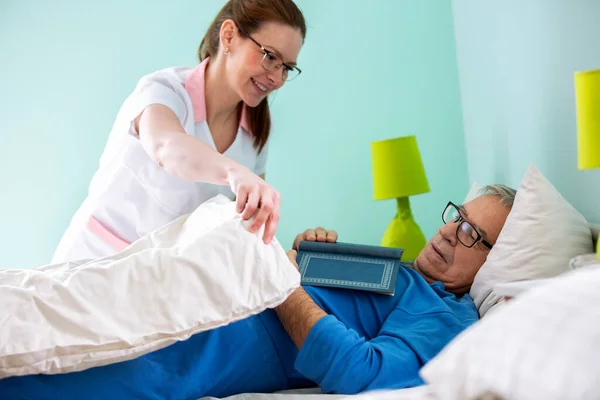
(157,88)
(261,160)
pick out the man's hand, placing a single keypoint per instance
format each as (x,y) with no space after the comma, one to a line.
(311,235)
(315,235)
(292,255)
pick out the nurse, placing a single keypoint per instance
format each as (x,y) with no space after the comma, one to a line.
(185,135)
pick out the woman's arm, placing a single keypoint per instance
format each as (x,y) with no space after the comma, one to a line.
(180,154)
(189,158)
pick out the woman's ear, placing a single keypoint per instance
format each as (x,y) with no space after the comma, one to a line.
(227,33)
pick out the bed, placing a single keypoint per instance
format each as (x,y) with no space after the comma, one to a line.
(504,355)
(417,393)
(525,320)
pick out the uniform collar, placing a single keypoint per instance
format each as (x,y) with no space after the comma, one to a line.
(194,86)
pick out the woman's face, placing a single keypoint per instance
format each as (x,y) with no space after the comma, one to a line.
(244,64)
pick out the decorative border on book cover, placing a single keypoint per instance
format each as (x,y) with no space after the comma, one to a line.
(385,279)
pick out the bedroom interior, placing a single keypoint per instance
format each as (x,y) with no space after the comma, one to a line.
(493,92)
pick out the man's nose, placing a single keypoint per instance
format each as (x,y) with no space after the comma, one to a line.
(448,232)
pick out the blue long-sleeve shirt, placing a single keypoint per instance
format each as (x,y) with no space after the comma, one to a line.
(373,341)
(368,341)
(374,344)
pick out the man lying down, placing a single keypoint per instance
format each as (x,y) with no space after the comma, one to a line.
(341,340)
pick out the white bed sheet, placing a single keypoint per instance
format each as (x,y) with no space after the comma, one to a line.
(418,393)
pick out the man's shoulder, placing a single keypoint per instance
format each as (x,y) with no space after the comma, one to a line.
(424,298)
(462,306)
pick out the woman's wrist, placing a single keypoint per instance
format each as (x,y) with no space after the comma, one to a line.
(233,172)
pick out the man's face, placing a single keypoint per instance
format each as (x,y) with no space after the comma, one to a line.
(446,259)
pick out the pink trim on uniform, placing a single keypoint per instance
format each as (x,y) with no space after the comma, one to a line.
(194,86)
(105,234)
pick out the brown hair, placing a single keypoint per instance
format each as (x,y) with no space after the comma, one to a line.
(249,15)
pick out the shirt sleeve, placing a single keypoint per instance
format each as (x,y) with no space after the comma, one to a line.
(157,88)
(341,361)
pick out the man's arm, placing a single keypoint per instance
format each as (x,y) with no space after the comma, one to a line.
(298,315)
(340,360)
(337,358)
(331,355)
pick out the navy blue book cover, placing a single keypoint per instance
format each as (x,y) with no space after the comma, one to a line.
(349,266)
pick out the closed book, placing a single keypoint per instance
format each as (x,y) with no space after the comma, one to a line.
(349,266)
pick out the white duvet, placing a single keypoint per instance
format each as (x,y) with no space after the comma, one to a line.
(199,272)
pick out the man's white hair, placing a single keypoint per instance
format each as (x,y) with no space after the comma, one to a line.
(505,194)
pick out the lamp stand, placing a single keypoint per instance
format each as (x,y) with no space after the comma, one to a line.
(403,232)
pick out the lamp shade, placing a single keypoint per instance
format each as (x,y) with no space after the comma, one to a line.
(587,95)
(397,168)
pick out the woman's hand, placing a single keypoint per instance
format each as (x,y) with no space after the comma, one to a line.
(316,235)
(256,198)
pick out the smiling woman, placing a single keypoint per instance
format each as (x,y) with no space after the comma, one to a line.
(261,40)
(186,135)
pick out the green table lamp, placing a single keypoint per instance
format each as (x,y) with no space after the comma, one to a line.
(398,173)
(587,96)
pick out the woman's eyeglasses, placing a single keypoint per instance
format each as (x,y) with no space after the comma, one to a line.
(272,62)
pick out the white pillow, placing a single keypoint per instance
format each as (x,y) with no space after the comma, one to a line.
(541,235)
(473,192)
(199,272)
(542,345)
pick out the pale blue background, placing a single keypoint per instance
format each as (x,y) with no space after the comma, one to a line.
(516,62)
(372,70)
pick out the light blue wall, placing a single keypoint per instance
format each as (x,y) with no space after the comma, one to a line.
(372,70)
(66,67)
(516,62)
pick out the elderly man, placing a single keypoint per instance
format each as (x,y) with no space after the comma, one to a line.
(341,340)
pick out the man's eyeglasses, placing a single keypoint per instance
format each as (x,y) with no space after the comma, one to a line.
(272,62)
(466,233)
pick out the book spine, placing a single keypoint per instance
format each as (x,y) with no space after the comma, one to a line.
(352,249)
